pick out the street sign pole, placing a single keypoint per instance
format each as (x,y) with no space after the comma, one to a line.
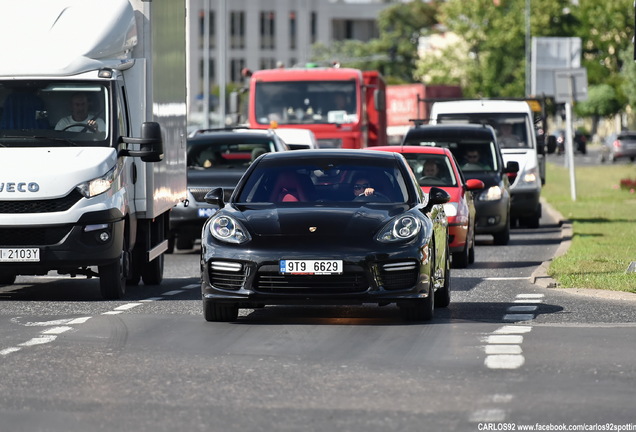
(569,148)
(570,86)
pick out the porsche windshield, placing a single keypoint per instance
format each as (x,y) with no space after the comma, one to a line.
(324,181)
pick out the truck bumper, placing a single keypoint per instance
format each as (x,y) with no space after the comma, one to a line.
(96,239)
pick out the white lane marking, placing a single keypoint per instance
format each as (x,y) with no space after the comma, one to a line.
(61,326)
(530,296)
(513,329)
(505,278)
(504,361)
(527,301)
(38,340)
(488,415)
(10,350)
(504,339)
(503,349)
(528,308)
(47,323)
(518,317)
(127,306)
(56,330)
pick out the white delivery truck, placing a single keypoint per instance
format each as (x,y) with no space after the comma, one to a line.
(92,137)
(514,122)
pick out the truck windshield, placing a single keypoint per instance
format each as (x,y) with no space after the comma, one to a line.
(511,127)
(44,113)
(305,102)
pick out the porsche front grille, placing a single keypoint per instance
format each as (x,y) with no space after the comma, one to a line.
(399,275)
(346,283)
(227,275)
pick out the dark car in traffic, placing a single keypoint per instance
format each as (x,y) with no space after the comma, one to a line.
(326,227)
(476,149)
(215,158)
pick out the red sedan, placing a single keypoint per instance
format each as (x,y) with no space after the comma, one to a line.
(436,166)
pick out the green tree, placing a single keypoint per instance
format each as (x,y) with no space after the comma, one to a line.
(495,36)
(606,29)
(602,101)
(394,52)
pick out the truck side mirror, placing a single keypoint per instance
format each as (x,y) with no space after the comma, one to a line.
(150,142)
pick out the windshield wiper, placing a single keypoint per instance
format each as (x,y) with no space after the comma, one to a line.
(37,137)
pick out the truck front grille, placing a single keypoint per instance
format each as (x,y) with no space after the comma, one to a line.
(41,206)
(33,236)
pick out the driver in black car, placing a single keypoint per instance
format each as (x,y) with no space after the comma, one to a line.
(80,120)
(362,187)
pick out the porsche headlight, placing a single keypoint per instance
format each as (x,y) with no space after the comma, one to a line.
(98,185)
(227,229)
(400,229)
(493,193)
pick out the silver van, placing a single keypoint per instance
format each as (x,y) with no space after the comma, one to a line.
(516,135)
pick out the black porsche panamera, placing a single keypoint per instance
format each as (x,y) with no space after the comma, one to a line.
(325,227)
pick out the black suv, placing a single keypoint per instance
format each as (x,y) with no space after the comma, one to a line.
(215,158)
(479,156)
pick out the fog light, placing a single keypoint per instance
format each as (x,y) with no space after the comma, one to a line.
(104,236)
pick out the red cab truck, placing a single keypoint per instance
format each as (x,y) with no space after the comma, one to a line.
(345,108)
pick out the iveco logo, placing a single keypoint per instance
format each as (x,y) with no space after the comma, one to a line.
(313,229)
(19,187)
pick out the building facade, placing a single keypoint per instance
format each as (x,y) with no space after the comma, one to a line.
(263,34)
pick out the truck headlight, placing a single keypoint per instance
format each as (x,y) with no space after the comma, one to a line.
(98,185)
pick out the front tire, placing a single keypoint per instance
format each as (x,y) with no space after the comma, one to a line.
(112,279)
(422,309)
(152,272)
(443,294)
(461,259)
(502,237)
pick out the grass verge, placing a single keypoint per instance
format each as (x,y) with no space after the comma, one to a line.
(603,220)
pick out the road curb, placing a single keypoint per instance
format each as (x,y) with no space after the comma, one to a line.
(540,275)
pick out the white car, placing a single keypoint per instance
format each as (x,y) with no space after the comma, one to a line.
(297,139)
